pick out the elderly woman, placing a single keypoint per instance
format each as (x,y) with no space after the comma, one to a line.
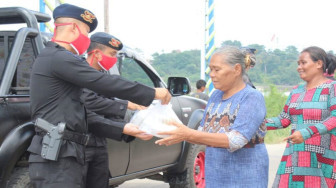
(309,159)
(232,127)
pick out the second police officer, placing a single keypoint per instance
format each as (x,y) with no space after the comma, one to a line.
(105,115)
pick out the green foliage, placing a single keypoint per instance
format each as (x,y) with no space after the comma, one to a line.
(132,71)
(185,64)
(275,101)
(232,43)
(276,66)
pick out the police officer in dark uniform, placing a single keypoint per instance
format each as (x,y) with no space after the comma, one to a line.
(58,75)
(103,113)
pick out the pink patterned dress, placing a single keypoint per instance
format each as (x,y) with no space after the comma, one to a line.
(313,162)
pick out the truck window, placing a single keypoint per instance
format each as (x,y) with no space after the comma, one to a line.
(132,71)
(25,64)
(21,80)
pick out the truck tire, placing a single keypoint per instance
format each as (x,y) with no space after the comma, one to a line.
(193,177)
(19,178)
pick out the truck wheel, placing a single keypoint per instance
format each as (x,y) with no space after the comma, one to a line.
(198,170)
(20,178)
(193,177)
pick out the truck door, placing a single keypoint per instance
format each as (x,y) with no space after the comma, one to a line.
(146,154)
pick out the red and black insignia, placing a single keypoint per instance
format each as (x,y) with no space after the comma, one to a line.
(115,42)
(88,16)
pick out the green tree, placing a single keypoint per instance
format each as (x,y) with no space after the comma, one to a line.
(277,66)
(176,63)
(232,43)
(275,102)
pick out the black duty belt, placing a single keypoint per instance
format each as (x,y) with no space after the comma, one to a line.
(79,138)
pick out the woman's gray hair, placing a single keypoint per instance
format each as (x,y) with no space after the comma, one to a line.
(232,55)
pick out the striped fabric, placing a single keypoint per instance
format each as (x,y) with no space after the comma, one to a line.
(313,113)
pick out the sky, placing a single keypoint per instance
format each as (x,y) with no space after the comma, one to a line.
(165,25)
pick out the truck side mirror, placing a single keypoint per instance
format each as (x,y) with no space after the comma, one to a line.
(178,86)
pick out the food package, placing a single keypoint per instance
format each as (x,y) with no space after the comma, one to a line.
(155,119)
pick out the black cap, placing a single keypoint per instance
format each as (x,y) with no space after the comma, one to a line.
(78,13)
(107,40)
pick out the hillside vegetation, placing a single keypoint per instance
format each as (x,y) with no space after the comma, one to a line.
(277,66)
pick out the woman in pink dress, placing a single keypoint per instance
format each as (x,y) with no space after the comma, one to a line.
(309,159)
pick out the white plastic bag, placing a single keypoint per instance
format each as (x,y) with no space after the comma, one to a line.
(154,119)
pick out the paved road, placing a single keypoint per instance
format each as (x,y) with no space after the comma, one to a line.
(274,152)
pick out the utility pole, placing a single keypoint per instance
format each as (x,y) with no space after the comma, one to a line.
(51,7)
(106,16)
(209,46)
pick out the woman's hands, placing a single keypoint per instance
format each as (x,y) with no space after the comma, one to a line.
(180,134)
(295,138)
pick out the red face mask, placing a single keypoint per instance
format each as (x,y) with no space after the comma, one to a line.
(80,44)
(106,63)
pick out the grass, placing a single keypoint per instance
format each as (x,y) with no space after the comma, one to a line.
(275,101)
(277,136)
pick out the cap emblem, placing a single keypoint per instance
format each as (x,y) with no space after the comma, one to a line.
(88,16)
(114,42)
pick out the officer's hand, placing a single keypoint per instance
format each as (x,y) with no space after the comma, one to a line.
(133,130)
(133,106)
(144,136)
(163,95)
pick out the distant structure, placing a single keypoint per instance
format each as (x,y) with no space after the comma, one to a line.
(209,43)
(43,5)
(274,42)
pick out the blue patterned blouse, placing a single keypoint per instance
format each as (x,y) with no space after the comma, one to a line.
(240,117)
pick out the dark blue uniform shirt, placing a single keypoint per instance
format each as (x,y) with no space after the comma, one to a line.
(57,79)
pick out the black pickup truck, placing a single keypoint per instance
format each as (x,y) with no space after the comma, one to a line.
(181,165)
